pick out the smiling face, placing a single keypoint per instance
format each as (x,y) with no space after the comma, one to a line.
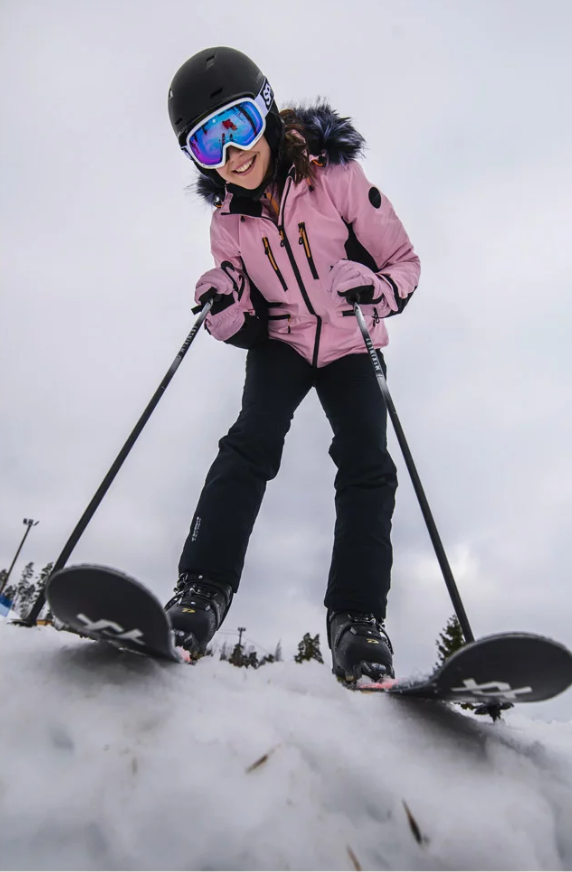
(246,168)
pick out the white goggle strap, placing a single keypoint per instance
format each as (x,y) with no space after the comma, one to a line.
(264,99)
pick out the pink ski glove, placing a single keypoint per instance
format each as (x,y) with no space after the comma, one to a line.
(215,284)
(357,283)
(226,316)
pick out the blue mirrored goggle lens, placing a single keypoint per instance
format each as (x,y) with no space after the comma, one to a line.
(239,125)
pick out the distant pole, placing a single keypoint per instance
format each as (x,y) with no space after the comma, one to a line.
(241,630)
(29,522)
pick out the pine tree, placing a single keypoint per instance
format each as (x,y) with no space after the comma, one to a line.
(27,573)
(43,578)
(237,656)
(450,640)
(224,655)
(272,658)
(309,649)
(45,574)
(26,590)
(240,657)
(252,658)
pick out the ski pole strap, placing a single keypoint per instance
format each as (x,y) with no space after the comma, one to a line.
(203,307)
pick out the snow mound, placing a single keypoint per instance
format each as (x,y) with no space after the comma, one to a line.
(112,761)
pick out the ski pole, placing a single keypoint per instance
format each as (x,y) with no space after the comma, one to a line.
(416,481)
(32,617)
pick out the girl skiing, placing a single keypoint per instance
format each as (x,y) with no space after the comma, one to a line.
(298,234)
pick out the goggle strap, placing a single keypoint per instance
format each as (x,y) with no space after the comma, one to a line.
(264,98)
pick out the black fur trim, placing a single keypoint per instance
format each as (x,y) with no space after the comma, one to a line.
(209,186)
(331,134)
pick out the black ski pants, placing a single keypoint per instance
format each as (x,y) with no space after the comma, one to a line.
(277,380)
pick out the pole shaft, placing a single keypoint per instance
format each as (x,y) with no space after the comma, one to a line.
(117,464)
(416,481)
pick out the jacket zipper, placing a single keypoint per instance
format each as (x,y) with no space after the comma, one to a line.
(294,266)
(305,242)
(275,267)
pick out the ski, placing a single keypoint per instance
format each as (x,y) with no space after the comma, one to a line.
(110,606)
(495,671)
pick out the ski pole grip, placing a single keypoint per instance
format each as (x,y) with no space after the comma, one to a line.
(206,307)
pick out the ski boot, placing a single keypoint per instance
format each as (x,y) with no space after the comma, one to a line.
(197,610)
(360,646)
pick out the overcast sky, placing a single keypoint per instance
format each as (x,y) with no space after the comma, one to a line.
(467,111)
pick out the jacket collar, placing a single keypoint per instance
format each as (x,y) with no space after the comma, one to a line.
(235,204)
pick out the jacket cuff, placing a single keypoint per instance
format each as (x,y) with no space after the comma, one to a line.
(401,302)
(253,332)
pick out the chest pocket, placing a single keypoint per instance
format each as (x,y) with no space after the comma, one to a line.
(303,240)
(273,264)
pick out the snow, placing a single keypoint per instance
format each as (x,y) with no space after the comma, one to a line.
(112,761)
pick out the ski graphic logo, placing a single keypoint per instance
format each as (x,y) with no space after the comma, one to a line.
(488,689)
(103,626)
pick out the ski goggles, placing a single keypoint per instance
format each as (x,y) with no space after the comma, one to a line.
(240,123)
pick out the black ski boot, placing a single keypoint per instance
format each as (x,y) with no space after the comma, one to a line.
(197,610)
(360,646)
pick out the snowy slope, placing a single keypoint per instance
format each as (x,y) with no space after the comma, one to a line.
(110,761)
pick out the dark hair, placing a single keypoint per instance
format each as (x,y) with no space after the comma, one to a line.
(294,149)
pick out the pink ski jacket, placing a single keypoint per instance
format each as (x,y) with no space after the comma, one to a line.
(277,264)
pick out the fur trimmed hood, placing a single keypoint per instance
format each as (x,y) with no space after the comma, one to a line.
(327,134)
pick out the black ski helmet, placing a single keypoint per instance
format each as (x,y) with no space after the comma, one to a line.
(210,79)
